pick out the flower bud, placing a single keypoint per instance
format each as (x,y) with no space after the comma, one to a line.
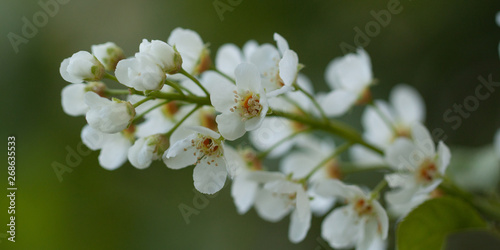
(108,116)
(166,56)
(147,149)
(81,66)
(108,54)
(140,72)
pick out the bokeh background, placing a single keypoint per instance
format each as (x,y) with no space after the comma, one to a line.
(439,47)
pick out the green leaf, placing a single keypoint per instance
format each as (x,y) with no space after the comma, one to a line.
(428,225)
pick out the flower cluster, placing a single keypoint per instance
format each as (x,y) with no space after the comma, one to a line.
(181,109)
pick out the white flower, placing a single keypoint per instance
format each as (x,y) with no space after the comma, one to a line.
(229,56)
(162,54)
(243,106)
(240,164)
(205,150)
(114,147)
(81,66)
(361,223)
(73,97)
(349,77)
(108,54)
(300,164)
(108,116)
(405,108)
(147,149)
(195,55)
(419,167)
(140,72)
(278,67)
(275,129)
(280,196)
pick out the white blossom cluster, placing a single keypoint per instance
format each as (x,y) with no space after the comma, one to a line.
(182,109)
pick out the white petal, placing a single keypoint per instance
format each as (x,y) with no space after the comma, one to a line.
(72,99)
(234,163)
(93,138)
(408,103)
(444,155)
(423,139)
(398,179)
(403,195)
(271,207)
(249,48)
(339,228)
(288,67)
(141,154)
(404,155)
(221,91)
(209,177)
(336,188)
(352,72)
(230,126)
(63,70)
(281,42)
(227,58)
(114,152)
(282,186)
(181,154)
(271,131)
(243,192)
(247,78)
(189,44)
(255,122)
(298,226)
(298,164)
(369,234)
(337,102)
(382,219)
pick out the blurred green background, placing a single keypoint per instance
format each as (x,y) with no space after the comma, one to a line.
(439,47)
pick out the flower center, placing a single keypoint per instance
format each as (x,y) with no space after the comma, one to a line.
(207,119)
(129,132)
(427,171)
(253,162)
(298,126)
(170,109)
(332,169)
(363,207)
(247,104)
(365,97)
(401,131)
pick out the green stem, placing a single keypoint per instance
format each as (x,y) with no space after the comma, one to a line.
(333,127)
(111,92)
(336,153)
(184,72)
(313,100)
(137,104)
(137,118)
(110,76)
(172,130)
(263,154)
(175,86)
(375,192)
